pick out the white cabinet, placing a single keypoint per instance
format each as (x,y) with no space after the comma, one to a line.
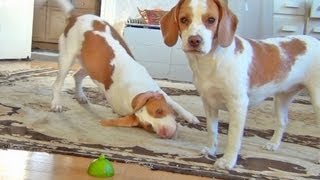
(162,62)
(289,17)
(296,17)
(313,22)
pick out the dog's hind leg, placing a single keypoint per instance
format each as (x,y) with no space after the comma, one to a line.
(78,78)
(281,105)
(66,59)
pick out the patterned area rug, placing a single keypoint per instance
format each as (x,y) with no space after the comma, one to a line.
(27,123)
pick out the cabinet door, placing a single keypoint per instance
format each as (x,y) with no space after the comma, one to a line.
(56,22)
(39,23)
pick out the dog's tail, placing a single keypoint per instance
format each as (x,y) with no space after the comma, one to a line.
(67,7)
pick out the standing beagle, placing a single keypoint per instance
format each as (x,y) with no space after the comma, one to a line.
(233,73)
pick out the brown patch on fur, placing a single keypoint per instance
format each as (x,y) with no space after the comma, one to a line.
(158,107)
(96,55)
(268,65)
(292,49)
(117,36)
(99,26)
(239,46)
(71,21)
(154,102)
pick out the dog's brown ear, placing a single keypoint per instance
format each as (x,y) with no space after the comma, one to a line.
(227,25)
(140,100)
(169,26)
(127,121)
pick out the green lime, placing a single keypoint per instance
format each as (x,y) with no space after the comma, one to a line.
(101,167)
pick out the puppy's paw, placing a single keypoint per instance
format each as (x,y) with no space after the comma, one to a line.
(225,163)
(82,99)
(56,108)
(271,146)
(208,151)
(191,118)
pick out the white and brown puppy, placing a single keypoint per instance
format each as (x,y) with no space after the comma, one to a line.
(128,87)
(232,73)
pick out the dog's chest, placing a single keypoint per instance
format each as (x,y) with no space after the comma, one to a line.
(209,81)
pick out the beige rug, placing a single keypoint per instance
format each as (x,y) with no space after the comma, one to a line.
(27,123)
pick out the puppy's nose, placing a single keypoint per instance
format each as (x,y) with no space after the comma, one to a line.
(166,132)
(194,41)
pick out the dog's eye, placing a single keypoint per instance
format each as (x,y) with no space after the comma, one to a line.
(184,20)
(159,112)
(211,20)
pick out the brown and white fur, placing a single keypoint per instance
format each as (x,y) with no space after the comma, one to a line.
(128,87)
(233,73)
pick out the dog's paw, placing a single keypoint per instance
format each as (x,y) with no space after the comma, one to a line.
(271,146)
(82,99)
(56,108)
(208,151)
(191,119)
(225,163)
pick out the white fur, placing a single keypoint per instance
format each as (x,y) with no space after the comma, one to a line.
(129,77)
(221,77)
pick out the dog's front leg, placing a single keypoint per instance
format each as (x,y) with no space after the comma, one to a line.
(237,113)
(180,110)
(212,114)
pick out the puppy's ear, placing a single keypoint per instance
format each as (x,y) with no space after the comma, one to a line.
(227,25)
(140,100)
(127,121)
(169,26)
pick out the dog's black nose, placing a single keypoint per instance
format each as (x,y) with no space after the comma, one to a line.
(194,41)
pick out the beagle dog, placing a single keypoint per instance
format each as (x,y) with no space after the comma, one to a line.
(233,73)
(128,87)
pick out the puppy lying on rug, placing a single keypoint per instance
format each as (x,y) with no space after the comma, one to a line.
(232,73)
(128,87)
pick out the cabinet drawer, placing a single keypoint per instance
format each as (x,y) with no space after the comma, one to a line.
(53,3)
(313,28)
(284,25)
(87,4)
(296,7)
(40,2)
(315,9)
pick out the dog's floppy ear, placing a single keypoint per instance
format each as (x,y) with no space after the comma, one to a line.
(227,25)
(127,121)
(140,100)
(169,26)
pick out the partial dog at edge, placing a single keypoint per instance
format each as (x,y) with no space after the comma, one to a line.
(128,87)
(232,73)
